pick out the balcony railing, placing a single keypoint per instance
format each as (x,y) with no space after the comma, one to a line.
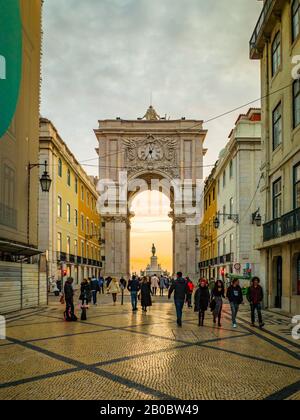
(285,225)
(74,259)
(261,21)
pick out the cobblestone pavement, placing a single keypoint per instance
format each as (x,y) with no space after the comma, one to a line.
(116,354)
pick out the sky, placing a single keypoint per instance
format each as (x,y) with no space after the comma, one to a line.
(104,58)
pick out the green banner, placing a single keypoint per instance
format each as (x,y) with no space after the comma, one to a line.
(10,60)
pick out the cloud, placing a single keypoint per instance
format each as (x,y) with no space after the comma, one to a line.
(101,59)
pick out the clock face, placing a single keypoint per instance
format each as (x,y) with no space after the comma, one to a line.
(150,152)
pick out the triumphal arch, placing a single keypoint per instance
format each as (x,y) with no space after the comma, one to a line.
(151,152)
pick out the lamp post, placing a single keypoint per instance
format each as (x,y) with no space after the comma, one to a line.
(256,218)
(45,182)
(233,217)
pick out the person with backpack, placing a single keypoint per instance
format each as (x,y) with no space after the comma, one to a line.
(235,297)
(85,292)
(217,296)
(134,287)
(255,296)
(202,299)
(180,289)
(69,299)
(191,287)
(94,289)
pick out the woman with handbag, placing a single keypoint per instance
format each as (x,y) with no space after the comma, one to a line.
(217,296)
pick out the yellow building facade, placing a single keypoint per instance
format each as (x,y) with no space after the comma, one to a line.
(208,233)
(276,43)
(69,221)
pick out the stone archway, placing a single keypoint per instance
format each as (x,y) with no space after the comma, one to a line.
(151,152)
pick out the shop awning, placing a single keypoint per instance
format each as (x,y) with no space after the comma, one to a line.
(15,249)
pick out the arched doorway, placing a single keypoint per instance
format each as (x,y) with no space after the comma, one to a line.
(278,282)
(151,149)
(150,225)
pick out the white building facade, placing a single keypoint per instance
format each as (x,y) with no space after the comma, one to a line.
(238,198)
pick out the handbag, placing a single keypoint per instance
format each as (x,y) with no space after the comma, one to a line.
(213,305)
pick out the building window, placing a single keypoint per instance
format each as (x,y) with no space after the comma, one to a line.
(224,214)
(59,168)
(87,226)
(87,251)
(219,186)
(297,186)
(75,247)
(87,199)
(231,243)
(224,179)
(224,246)
(231,206)
(276,53)
(277,199)
(219,249)
(76,217)
(76,185)
(68,245)
(295,19)
(59,242)
(298,276)
(82,222)
(82,193)
(231,169)
(296,103)
(214,194)
(69,178)
(82,249)
(59,207)
(92,227)
(277,126)
(68,213)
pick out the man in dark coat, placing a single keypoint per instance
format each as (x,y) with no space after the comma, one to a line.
(235,297)
(256,296)
(180,289)
(134,287)
(69,298)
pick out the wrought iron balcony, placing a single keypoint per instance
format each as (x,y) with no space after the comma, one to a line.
(264,26)
(285,225)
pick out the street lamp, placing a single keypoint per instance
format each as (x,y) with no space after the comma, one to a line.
(256,218)
(45,182)
(234,217)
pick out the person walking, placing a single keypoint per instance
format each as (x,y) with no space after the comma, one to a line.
(154,285)
(85,292)
(101,285)
(134,287)
(114,289)
(162,285)
(191,287)
(94,289)
(180,289)
(235,297)
(217,296)
(146,300)
(69,299)
(255,296)
(202,299)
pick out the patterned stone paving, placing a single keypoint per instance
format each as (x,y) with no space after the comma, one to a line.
(119,355)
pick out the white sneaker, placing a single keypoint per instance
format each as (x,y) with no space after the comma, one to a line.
(234,326)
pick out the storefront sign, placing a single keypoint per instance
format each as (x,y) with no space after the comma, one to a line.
(10,61)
